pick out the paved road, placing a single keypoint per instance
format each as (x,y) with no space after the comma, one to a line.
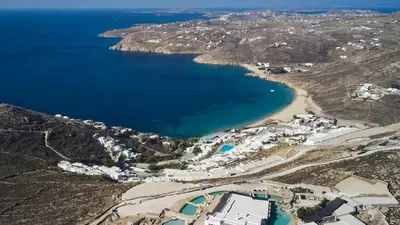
(334,141)
(295,169)
(361,134)
(165,201)
(157,203)
(304,149)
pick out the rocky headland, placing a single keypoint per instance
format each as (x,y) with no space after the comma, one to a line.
(32,144)
(346,48)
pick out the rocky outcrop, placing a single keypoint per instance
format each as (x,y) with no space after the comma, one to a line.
(74,139)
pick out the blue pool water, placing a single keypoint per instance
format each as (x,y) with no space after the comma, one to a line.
(199,200)
(52,61)
(188,209)
(218,193)
(174,222)
(226,148)
(278,216)
(275,197)
(260,196)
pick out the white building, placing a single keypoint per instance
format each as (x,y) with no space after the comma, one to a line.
(288,69)
(241,210)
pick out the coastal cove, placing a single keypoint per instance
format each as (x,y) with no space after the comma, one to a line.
(65,68)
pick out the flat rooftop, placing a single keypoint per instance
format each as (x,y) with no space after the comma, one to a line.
(241,210)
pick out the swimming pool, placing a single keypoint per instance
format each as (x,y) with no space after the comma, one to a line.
(275,197)
(218,193)
(189,209)
(143,176)
(260,196)
(278,216)
(198,200)
(174,222)
(226,148)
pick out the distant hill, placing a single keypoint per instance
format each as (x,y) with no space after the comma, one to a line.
(348,48)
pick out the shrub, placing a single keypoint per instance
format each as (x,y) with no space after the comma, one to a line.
(197,150)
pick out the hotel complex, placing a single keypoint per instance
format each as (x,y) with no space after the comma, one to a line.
(237,209)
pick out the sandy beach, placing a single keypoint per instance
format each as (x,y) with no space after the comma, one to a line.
(300,104)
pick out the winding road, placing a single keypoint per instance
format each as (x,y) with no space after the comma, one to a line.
(46,142)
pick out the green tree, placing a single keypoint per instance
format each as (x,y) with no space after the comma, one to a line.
(154,168)
(197,150)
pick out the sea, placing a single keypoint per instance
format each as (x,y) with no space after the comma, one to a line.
(53,61)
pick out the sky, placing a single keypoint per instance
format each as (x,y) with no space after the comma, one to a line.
(199,3)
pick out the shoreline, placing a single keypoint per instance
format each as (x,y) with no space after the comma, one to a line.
(301,103)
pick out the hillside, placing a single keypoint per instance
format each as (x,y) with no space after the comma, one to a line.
(347,48)
(34,190)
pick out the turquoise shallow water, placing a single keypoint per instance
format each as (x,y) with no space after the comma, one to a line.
(218,193)
(278,216)
(188,209)
(260,196)
(174,222)
(226,148)
(199,200)
(52,61)
(275,197)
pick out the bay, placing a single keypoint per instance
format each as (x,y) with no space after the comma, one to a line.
(52,61)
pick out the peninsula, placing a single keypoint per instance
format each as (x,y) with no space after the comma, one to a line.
(329,158)
(328,55)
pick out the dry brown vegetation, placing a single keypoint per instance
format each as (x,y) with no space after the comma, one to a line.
(383,166)
(73,139)
(34,191)
(326,82)
(49,197)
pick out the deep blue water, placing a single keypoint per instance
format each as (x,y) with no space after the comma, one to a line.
(53,62)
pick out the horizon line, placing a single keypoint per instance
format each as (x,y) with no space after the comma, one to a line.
(215,8)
